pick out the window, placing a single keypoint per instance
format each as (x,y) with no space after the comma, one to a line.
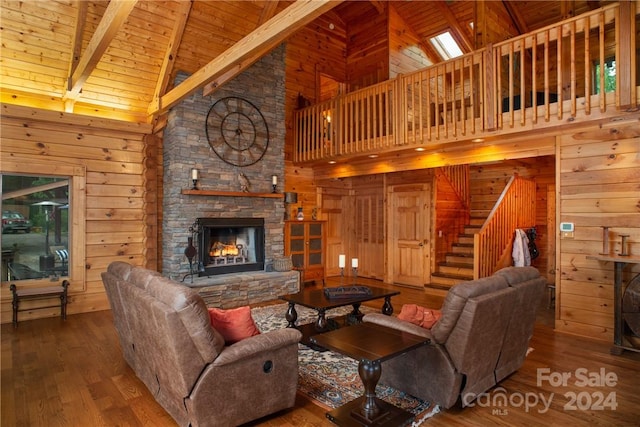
(446,46)
(609,76)
(42,224)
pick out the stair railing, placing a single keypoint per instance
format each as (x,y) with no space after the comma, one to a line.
(516,208)
(458,177)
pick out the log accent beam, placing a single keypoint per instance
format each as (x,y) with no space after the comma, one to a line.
(458,32)
(253,46)
(516,16)
(172,50)
(268,11)
(116,14)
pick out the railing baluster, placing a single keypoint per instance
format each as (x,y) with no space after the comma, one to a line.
(587,67)
(572,29)
(434,104)
(559,72)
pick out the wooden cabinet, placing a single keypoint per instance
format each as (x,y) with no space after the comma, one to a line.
(304,242)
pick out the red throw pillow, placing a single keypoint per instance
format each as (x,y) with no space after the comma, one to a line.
(421,316)
(234,324)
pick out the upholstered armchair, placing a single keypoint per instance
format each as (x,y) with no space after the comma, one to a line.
(481,338)
(167,338)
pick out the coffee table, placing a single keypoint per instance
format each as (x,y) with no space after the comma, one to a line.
(370,344)
(316,300)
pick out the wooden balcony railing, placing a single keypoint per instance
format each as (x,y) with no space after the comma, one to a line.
(533,81)
(516,208)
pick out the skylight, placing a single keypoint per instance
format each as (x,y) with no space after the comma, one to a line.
(446,46)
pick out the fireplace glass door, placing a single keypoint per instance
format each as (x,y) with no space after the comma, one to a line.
(229,245)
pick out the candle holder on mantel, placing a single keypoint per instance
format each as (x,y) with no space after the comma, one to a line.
(194,178)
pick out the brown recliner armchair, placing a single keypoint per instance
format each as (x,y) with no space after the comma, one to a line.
(167,338)
(482,337)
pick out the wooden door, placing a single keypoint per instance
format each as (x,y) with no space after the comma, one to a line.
(336,232)
(409,217)
(369,232)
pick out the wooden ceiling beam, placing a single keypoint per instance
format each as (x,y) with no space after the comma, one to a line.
(76,49)
(460,34)
(256,44)
(268,12)
(516,16)
(116,14)
(172,51)
(378,5)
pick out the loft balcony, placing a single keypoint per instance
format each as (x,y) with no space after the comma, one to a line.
(558,75)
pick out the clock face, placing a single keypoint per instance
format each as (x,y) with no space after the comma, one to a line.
(237,131)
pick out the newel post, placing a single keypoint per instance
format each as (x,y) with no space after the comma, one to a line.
(626,55)
(489,88)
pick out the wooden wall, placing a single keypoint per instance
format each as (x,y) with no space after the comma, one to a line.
(319,48)
(368,50)
(405,47)
(598,185)
(493,23)
(119,191)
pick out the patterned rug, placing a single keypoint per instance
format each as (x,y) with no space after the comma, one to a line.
(329,378)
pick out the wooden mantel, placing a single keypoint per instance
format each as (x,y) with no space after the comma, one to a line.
(192,192)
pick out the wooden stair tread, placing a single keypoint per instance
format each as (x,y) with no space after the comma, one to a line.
(454,265)
(452,276)
(459,254)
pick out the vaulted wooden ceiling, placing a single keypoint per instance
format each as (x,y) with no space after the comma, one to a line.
(120,58)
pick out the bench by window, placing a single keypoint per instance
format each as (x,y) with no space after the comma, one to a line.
(45,293)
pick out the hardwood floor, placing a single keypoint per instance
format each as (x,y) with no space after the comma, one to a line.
(71,373)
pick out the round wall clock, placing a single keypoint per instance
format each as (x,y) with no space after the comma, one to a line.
(237,131)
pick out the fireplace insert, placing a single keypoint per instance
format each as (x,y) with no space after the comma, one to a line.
(230,245)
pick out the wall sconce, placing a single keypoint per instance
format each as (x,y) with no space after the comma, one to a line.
(194,178)
(289,198)
(274,183)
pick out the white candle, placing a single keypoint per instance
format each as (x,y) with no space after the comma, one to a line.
(274,179)
(194,173)
(354,262)
(341,261)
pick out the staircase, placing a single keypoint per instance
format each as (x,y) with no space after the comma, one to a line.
(492,232)
(458,264)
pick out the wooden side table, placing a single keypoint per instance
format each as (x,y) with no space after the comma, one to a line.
(370,344)
(619,263)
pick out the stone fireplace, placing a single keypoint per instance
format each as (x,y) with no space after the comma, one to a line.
(185,147)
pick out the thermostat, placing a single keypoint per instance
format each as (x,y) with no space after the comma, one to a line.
(566,230)
(566,227)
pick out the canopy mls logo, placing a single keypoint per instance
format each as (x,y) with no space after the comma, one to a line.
(600,399)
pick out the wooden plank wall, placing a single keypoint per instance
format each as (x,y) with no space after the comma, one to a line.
(493,23)
(405,52)
(113,154)
(598,185)
(368,54)
(300,180)
(304,66)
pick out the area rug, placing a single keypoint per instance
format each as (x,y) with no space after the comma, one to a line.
(329,378)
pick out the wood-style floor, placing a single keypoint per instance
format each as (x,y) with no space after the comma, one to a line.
(71,373)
